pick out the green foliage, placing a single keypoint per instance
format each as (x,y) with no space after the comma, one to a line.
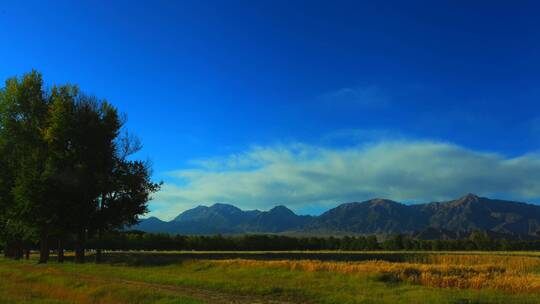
(64,166)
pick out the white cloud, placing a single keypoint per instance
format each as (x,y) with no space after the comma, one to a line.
(300,175)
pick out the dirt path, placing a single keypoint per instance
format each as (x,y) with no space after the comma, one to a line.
(205,295)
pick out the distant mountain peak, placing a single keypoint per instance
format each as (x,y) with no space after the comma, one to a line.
(471,196)
(200,207)
(382,202)
(153,218)
(225,209)
(223,206)
(466,199)
(281,209)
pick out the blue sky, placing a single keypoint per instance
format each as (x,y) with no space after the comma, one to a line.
(303,103)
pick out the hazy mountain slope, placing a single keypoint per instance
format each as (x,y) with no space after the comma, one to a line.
(378,216)
(218,218)
(472,212)
(226,219)
(219,214)
(277,219)
(152,224)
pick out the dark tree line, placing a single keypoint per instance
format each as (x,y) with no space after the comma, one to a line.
(66,169)
(137,240)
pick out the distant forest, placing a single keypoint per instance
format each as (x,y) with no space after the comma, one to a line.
(138,240)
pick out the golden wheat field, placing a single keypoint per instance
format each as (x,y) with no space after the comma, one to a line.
(509,273)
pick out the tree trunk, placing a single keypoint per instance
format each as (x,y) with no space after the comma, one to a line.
(44,249)
(27,254)
(99,255)
(60,251)
(79,247)
(8,250)
(18,250)
(98,248)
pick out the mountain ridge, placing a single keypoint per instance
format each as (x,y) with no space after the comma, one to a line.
(375,216)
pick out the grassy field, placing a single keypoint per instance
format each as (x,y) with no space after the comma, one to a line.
(284,277)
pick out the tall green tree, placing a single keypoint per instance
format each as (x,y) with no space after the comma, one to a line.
(25,111)
(6,176)
(93,146)
(61,159)
(126,198)
(124,185)
(65,169)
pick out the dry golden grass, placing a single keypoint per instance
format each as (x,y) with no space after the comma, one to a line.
(513,274)
(515,262)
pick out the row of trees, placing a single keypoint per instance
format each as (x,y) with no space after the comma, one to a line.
(137,240)
(66,169)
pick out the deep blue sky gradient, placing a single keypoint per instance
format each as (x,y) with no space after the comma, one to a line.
(200,79)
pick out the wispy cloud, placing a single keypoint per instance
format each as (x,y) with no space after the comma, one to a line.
(301,175)
(367,96)
(359,136)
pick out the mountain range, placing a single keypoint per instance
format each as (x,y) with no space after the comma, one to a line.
(447,219)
